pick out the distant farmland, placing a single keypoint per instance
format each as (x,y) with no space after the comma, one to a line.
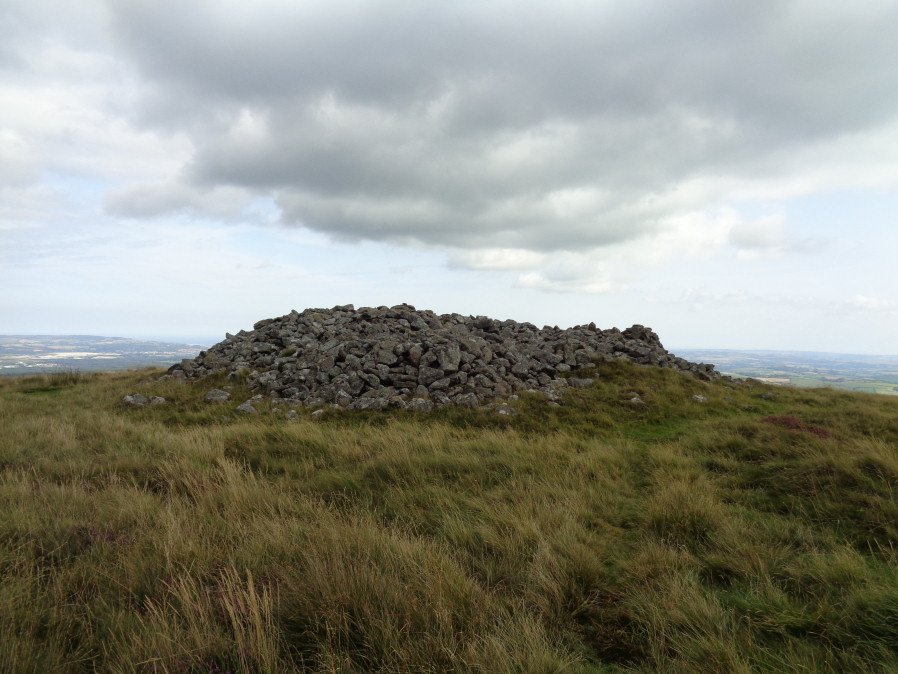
(41,354)
(867,374)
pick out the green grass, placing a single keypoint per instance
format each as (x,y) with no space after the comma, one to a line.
(744,534)
(861,385)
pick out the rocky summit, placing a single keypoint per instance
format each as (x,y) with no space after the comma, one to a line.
(373,358)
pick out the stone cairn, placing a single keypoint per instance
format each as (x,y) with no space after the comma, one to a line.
(374,358)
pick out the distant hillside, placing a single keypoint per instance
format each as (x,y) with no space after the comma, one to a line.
(851,372)
(31,354)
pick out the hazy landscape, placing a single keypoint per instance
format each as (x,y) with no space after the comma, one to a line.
(865,373)
(43,354)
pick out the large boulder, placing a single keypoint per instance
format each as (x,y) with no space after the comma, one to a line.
(216,395)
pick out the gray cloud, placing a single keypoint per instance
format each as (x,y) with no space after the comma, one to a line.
(146,201)
(504,125)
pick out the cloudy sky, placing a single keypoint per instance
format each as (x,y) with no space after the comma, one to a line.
(724,172)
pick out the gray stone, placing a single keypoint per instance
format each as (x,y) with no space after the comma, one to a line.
(466,400)
(440,384)
(293,415)
(246,408)
(385,356)
(419,405)
(135,400)
(449,358)
(428,375)
(440,399)
(157,400)
(520,368)
(369,404)
(700,399)
(414,354)
(216,395)
(580,382)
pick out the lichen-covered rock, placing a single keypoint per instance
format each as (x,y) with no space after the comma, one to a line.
(216,395)
(135,400)
(378,357)
(419,405)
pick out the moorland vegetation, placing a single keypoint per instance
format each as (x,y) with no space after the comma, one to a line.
(749,529)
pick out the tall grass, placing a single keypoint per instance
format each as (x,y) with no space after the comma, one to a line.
(596,536)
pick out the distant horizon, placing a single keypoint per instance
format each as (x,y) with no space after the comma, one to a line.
(209,340)
(802,351)
(189,340)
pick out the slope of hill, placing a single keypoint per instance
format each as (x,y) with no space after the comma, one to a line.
(713,526)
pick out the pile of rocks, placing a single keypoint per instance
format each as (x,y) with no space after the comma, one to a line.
(372,358)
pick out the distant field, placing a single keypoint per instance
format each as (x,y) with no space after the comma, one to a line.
(865,374)
(864,386)
(36,354)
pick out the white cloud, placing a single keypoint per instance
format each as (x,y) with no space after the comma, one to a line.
(762,237)
(539,281)
(588,273)
(17,162)
(867,303)
(769,237)
(497,259)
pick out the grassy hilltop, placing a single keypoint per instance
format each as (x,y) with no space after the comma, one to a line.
(756,531)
